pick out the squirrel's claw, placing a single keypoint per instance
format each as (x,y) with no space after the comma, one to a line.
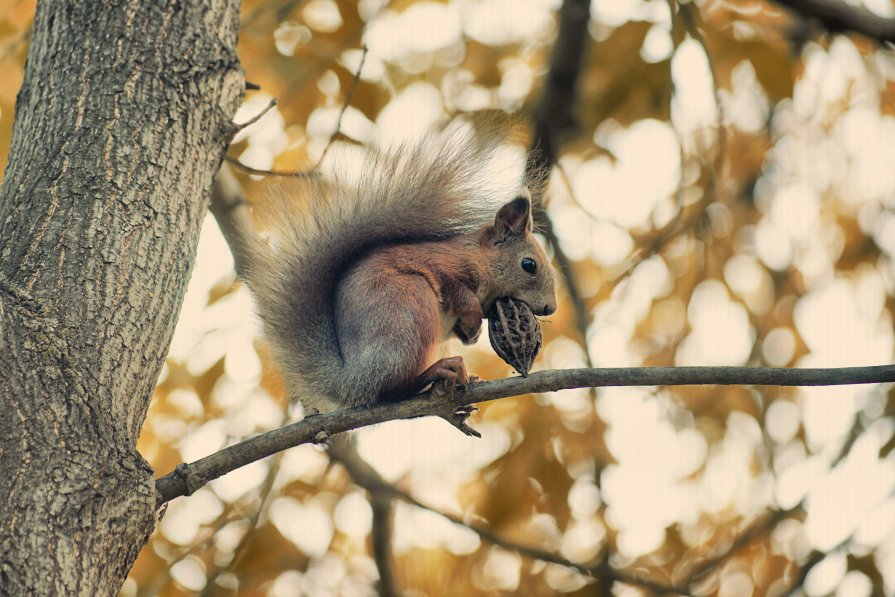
(446,374)
(459,417)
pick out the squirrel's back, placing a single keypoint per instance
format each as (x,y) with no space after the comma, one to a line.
(440,187)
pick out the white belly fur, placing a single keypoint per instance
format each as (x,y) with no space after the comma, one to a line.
(447,325)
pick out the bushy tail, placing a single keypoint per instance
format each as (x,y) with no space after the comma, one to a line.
(446,185)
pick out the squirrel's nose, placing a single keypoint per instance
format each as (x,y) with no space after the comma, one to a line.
(549,309)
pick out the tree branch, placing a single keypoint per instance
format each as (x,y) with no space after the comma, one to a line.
(681,223)
(124,113)
(344,451)
(244,125)
(837,16)
(759,528)
(554,118)
(313,171)
(187,478)
(601,570)
(262,172)
(251,522)
(813,560)
(554,115)
(380,490)
(348,95)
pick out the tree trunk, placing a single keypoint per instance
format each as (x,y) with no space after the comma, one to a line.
(122,120)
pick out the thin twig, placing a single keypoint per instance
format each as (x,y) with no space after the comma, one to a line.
(187,478)
(853,434)
(365,476)
(313,171)
(813,560)
(348,96)
(579,305)
(344,451)
(554,118)
(264,492)
(679,224)
(600,570)
(242,126)
(261,172)
(689,15)
(757,529)
(671,231)
(573,197)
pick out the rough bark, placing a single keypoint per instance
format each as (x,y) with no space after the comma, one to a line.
(121,122)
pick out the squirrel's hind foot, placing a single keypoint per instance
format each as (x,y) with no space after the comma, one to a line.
(449,371)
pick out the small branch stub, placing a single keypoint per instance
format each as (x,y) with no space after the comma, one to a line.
(459,417)
(240,127)
(192,481)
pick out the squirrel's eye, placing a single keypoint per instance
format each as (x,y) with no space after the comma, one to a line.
(529,265)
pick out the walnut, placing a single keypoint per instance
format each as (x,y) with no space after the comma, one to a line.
(515,333)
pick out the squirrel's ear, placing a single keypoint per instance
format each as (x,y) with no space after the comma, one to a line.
(515,216)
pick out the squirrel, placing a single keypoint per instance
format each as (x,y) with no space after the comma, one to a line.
(363,277)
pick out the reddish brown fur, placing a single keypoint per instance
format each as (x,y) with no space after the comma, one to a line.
(424,292)
(364,276)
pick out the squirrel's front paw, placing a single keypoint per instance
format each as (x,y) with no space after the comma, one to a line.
(451,371)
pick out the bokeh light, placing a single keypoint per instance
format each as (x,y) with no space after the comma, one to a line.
(769,241)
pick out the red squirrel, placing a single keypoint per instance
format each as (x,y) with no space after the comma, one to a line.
(361,281)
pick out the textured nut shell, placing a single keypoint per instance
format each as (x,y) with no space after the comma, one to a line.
(515,333)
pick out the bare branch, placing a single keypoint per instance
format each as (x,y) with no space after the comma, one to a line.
(813,560)
(757,529)
(239,127)
(264,492)
(187,478)
(348,96)
(312,171)
(261,172)
(565,266)
(344,451)
(682,223)
(554,115)
(554,119)
(365,476)
(689,15)
(601,571)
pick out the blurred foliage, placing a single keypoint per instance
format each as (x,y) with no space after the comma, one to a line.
(767,241)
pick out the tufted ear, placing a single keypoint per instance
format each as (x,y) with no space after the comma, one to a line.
(514,218)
